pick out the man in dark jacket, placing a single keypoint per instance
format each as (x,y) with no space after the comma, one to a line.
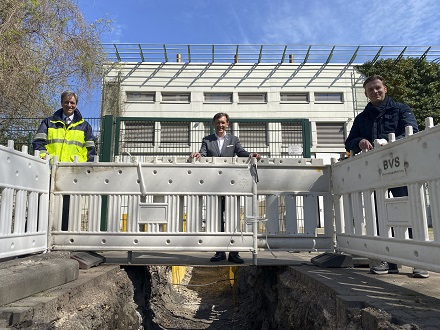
(381,116)
(222,144)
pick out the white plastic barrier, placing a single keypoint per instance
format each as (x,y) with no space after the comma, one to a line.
(372,224)
(296,193)
(174,204)
(154,206)
(24,202)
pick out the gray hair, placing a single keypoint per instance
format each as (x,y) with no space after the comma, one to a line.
(69,94)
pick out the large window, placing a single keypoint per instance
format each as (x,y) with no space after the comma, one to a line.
(294,97)
(329,97)
(330,134)
(252,97)
(141,96)
(176,97)
(218,97)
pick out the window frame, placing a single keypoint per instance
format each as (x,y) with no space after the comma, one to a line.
(306,101)
(263,94)
(180,94)
(128,100)
(340,101)
(213,101)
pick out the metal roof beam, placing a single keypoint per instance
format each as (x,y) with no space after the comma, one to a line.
(131,71)
(425,54)
(322,67)
(316,74)
(400,55)
(346,67)
(247,74)
(330,56)
(141,53)
(224,74)
(154,73)
(271,73)
(117,53)
(284,54)
(376,57)
(200,74)
(261,53)
(177,74)
(294,74)
(354,55)
(165,55)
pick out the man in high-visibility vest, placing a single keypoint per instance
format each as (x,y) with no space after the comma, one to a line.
(66,134)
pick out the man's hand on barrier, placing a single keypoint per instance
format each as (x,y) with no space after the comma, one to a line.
(364,144)
(195,155)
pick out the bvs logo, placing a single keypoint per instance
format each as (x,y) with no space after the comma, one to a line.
(391,163)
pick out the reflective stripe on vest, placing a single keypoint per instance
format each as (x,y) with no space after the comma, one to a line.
(66,143)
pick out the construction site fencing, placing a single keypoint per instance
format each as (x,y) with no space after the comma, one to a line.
(178,204)
(371,222)
(24,202)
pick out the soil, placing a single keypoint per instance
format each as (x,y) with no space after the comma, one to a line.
(266,298)
(242,298)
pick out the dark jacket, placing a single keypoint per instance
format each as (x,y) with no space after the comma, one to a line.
(376,122)
(231,147)
(54,137)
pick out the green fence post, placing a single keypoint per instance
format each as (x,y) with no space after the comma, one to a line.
(106,139)
(106,156)
(29,143)
(306,138)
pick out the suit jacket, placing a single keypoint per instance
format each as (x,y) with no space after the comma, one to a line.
(231,147)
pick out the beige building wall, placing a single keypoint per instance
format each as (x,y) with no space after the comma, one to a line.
(144,88)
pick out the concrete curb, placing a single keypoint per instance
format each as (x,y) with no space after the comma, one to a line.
(21,278)
(63,280)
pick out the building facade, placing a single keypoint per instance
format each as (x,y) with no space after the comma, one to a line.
(284,101)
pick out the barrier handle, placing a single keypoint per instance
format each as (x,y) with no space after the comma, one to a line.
(141,179)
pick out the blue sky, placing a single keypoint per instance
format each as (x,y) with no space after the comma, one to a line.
(305,22)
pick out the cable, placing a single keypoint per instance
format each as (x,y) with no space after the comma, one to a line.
(250,221)
(206,284)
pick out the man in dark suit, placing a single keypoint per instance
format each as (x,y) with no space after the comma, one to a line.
(222,144)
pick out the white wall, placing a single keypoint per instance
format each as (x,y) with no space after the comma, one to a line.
(273,79)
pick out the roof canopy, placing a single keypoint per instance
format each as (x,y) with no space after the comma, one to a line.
(302,54)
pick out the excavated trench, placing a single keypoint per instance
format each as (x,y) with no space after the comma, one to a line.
(257,298)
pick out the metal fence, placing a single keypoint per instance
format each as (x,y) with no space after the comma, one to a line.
(24,202)
(138,136)
(372,223)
